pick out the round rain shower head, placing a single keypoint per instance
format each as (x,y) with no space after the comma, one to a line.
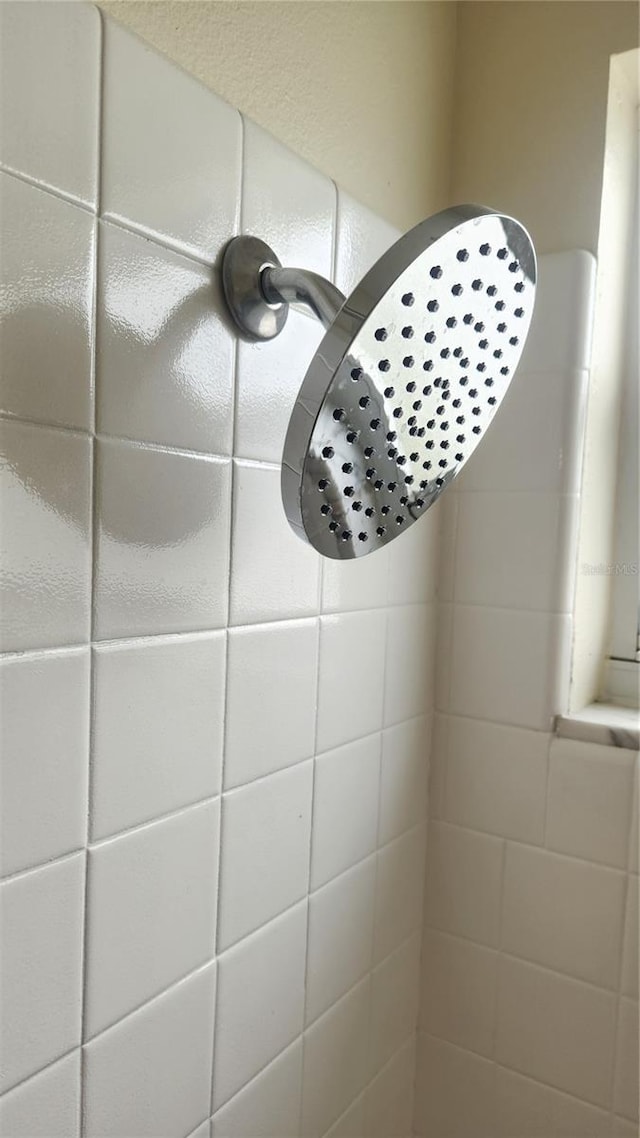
(408,377)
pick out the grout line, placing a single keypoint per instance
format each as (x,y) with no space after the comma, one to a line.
(518,1071)
(532,846)
(148,639)
(177,983)
(233,489)
(93,580)
(137,229)
(47,425)
(310,860)
(614,1057)
(41,866)
(52,191)
(41,1070)
(547,779)
(138,827)
(184,809)
(511,955)
(499,950)
(319,656)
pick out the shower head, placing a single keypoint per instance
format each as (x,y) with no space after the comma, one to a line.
(410,373)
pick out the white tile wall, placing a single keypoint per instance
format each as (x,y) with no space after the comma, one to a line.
(47,1105)
(528,1022)
(144,763)
(162,541)
(188,693)
(41,967)
(47,290)
(228,660)
(151,1073)
(44,757)
(51,135)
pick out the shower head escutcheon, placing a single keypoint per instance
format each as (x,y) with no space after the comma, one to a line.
(408,377)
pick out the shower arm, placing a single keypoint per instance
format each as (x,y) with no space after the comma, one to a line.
(259,291)
(305,291)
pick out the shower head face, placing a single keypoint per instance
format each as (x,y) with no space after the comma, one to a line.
(407,380)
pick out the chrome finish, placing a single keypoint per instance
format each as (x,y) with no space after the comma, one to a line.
(245,260)
(407,380)
(305,291)
(408,377)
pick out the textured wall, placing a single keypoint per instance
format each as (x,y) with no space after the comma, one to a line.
(363,91)
(530,111)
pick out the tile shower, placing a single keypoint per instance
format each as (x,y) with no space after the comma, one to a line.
(216,746)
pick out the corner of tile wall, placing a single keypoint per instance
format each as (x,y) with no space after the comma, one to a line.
(214,704)
(529,1008)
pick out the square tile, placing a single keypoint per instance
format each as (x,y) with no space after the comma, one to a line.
(399,891)
(41,967)
(590,793)
(403,777)
(145,929)
(361,583)
(395,994)
(266,829)
(268,379)
(455,1091)
(275,575)
(351,1124)
(511,551)
(163,541)
(410,662)
(463,883)
(287,202)
(46,282)
(530,1109)
(335,1056)
(506,666)
(389,1097)
(157,733)
(563,913)
(446,508)
(151,1073)
(414,557)
(629,981)
(345,808)
(361,239)
(496,779)
(560,335)
(260,1001)
(51,80)
(340,944)
(47,1105)
(268,1106)
(45,757)
(45,505)
(351,685)
(625,1090)
(163,131)
(536,442)
(165,357)
(570,1030)
(271,681)
(458,994)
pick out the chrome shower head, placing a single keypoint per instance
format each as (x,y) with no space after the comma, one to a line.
(410,373)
